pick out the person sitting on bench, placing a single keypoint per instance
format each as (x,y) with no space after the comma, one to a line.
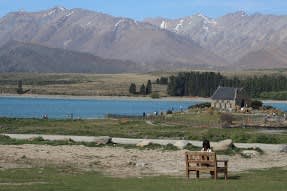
(206,146)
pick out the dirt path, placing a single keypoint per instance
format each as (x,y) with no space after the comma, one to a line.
(118,161)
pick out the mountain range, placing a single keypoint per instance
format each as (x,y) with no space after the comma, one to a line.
(244,41)
(77,40)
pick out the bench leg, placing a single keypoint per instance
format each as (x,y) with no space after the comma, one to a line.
(187,174)
(215,175)
(197,174)
(212,174)
(225,174)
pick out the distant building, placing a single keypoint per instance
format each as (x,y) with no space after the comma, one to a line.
(229,98)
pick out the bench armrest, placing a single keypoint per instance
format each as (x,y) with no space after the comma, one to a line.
(222,160)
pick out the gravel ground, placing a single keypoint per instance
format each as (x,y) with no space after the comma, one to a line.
(118,161)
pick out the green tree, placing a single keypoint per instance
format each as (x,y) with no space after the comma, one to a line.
(163,80)
(133,88)
(20,88)
(148,87)
(157,81)
(256,104)
(142,89)
(171,86)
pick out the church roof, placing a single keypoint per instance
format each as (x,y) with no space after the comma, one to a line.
(225,93)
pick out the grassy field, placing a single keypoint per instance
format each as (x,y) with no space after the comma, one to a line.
(192,126)
(49,179)
(78,84)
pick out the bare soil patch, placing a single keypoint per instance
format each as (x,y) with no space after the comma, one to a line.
(121,162)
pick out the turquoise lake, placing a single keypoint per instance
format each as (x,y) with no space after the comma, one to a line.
(279,105)
(61,108)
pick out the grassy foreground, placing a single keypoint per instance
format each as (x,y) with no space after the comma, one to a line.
(66,179)
(189,126)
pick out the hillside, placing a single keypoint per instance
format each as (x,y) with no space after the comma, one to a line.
(25,57)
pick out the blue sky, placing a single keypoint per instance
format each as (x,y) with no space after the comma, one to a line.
(140,9)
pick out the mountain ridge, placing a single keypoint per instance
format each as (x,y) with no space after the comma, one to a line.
(235,40)
(232,36)
(108,37)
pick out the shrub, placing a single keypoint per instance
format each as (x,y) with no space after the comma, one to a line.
(226,119)
(256,104)
(155,95)
(169,112)
(170,147)
(200,105)
(210,111)
(268,107)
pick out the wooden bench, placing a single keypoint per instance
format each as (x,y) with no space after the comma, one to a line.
(205,162)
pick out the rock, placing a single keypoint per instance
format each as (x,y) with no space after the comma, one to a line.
(132,163)
(143,143)
(222,145)
(180,144)
(284,149)
(249,153)
(102,140)
(141,164)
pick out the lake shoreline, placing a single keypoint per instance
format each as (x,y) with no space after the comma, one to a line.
(201,99)
(187,98)
(274,101)
(60,107)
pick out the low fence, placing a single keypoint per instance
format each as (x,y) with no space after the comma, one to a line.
(118,116)
(139,117)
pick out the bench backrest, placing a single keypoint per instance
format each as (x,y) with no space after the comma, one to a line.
(200,158)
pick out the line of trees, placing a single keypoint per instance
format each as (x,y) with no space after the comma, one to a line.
(162,80)
(205,83)
(144,89)
(194,84)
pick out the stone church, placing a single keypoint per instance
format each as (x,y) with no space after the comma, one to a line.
(229,99)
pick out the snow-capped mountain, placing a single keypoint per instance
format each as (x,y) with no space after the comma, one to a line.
(109,37)
(234,36)
(197,41)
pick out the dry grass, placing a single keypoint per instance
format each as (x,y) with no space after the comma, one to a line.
(79,84)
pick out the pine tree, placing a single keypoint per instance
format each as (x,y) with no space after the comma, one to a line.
(20,88)
(148,87)
(157,81)
(142,89)
(133,88)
